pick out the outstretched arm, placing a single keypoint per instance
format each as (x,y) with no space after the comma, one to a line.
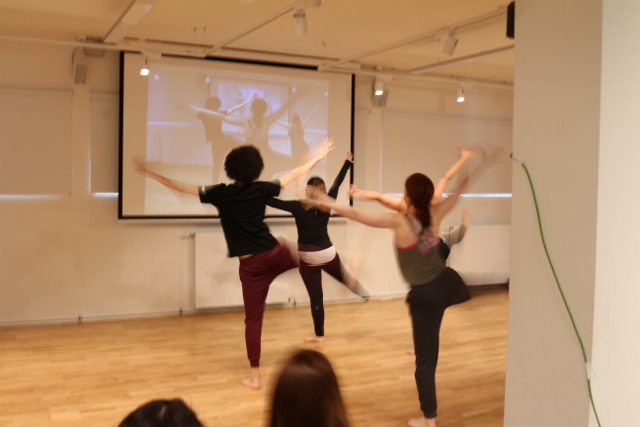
(303,123)
(392,202)
(335,187)
(141,166)
(325,148)
(441,185)
(271,118)
(237,107)
(404,234)
(284,205)
(372,219)
(217,115)
(442,208)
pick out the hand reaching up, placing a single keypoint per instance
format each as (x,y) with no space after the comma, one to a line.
(468,153)
(325,148)
(497,156)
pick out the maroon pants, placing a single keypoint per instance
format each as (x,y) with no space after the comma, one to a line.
(256,274)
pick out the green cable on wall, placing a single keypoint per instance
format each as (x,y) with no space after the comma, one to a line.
(564,300)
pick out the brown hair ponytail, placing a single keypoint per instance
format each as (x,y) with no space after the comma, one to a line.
(419,189)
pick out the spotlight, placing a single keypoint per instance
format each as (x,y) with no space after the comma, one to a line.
(450,44)
(300,22)
(378,87)
(460,95)
(380,95)
(144,71)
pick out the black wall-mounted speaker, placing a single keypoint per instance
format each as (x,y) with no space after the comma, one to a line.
(511,20)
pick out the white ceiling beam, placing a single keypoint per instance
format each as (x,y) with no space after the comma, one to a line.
(463,59)
(131,16)
(431,34)
(253,28)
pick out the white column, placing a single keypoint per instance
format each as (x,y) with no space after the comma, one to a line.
(557,115)
(616,349)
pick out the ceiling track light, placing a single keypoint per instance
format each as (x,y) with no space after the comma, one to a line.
(450,43)
(300,22)
(300,15)
(460,94)
(378,87)
(144,71)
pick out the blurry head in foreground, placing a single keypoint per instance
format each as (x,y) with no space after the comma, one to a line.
(162,413)
(306,393)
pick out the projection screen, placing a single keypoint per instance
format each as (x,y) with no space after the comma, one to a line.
(186,114)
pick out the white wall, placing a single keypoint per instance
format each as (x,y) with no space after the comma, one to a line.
(69,256)
(576,129)
(616,377)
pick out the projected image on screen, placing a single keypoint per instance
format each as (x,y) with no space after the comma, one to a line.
(186,115)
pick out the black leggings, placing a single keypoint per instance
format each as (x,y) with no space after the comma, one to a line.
(312,278)
(427,304)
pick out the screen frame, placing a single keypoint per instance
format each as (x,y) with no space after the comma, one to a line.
(206,217)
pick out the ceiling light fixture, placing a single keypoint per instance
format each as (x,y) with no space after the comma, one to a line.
(460,94)
(300,22)
(144,71)
(378,87)
(300,15)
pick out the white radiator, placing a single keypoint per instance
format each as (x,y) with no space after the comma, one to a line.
(217,284)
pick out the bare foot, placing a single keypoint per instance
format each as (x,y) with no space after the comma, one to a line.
(314,338)
(411,352)
(254,381)
(422,422)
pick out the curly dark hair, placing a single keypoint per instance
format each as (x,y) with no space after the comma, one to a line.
(161,413)
(419,189)
(244,164)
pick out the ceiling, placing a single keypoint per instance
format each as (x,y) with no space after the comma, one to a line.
(399,39)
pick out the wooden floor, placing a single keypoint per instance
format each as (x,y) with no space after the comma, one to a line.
(93,374)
